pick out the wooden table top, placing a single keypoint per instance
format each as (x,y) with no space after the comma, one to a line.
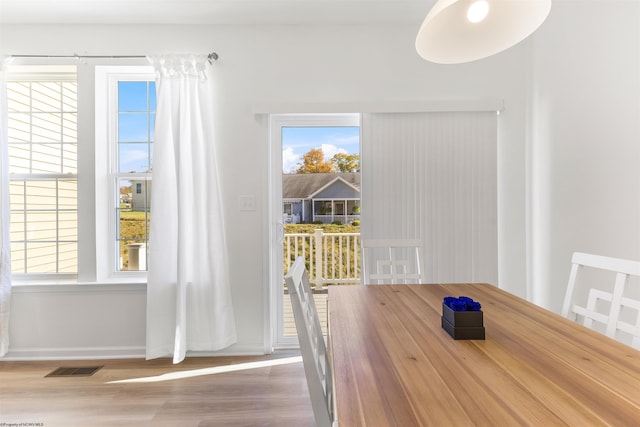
(394,365)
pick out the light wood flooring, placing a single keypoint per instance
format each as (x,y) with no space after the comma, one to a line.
(274,395)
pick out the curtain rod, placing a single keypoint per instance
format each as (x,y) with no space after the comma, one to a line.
(211,57)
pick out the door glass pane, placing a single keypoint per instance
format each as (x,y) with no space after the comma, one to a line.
(320,162)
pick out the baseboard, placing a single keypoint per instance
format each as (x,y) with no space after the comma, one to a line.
(97,353)
(86,353)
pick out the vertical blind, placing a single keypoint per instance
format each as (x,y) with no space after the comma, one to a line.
(433,176)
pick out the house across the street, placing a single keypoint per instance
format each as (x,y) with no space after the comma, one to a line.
(325,197)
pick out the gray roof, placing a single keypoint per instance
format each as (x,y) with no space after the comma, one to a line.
(302,185)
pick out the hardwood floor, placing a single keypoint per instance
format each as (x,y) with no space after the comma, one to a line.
(196,392)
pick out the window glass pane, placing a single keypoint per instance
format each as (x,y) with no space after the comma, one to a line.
(17,259)
(16,232)
(68,257)
(43,214)
(19,158)
(20,98)
(70,127)
(68,195)
(153,126)
(40,195)
(133,157)
(125,191)
(19,128)
(133,96)
(152,96)
(69,97)
(46,158)
(16,190)
(67,225)
(133,222)
(46,127)
(133,127)
(46,96)
(42,129)
(42,257)
(42,226)
(136,116)
(70,158)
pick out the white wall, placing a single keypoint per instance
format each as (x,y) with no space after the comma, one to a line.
(585,140)
(271,64)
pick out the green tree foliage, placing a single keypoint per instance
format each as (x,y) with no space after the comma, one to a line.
(313,162)
(346,162)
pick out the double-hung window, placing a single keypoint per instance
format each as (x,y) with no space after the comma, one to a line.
(125,119)
(43,147)
(80,159)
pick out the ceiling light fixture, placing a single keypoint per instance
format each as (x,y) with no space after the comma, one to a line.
(477,11)
(457,31)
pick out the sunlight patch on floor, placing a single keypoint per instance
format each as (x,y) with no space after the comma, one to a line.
(211,371)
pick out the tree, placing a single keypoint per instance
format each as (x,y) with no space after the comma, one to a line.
(346,162)
(313,162)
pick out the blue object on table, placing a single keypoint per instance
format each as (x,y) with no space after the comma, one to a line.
(462,318)
(462,303)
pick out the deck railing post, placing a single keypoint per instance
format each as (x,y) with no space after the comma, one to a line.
(317,235)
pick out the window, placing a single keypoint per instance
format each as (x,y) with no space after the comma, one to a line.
(63,162)
(43,148)
(136,117)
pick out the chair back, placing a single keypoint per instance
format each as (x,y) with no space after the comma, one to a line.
(312,346)
(391,261)
(613,310)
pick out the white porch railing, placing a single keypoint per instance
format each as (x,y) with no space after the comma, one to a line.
(331,258)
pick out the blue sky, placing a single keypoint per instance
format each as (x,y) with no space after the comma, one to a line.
(296,141)
(135,130)
(135,124)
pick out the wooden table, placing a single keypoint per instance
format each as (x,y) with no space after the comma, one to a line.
(394,365)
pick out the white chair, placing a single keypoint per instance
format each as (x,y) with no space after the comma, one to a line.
(612,309)
(312,346)
(391,261)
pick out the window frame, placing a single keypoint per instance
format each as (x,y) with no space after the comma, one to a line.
(107,177)
(95,231)
(50,73)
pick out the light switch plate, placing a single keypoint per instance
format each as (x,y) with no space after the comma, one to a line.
(247,203)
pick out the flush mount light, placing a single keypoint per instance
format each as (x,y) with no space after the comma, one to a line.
(457,31)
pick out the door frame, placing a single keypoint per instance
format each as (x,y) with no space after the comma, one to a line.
(275,306)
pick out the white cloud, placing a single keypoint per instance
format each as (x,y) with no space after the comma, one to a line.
(133,160)
(290,160)
(330,150)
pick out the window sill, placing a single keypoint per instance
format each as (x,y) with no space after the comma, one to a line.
(73,285)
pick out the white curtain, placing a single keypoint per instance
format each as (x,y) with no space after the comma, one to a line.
(188,293)
(5,248)
(433,176)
